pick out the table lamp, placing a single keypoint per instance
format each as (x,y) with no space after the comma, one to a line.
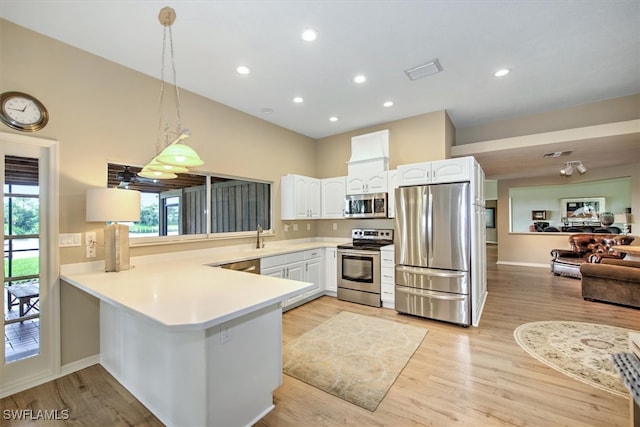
(626,219)
(111,205)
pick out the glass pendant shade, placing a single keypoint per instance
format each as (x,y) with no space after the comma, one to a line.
(155,165)
(148,173)
(180,155)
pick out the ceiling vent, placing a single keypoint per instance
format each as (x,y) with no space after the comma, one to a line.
(424,70)
(557,154)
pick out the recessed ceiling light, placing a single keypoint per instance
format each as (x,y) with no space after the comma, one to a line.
(501,73)
(298,100)
(333,119)
(243,69)
(388,104)
(359,78)
(309,35)
(266,110)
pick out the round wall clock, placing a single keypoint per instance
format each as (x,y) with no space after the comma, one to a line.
(22,112)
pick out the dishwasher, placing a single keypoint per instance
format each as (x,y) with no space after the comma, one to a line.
(248,266)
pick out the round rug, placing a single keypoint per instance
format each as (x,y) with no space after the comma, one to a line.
(580,350)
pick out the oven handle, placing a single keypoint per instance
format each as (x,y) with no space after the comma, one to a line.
(358,252)
(430,294)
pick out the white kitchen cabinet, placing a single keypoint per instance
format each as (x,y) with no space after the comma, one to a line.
(387,276)
(478,195)
(392,184)
(333,191)
(452,170)
(331,271)
(414,174)
(438,171)
(373,182)
(300,197)
(478,263)
(286,266)
(314,270)
(304,266)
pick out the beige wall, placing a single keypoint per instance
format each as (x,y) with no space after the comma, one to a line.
(596,113)
(100,112)
(415,139)
(534,248)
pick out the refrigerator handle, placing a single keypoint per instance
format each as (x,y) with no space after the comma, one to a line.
(429,235)
(429,272)
(430,294)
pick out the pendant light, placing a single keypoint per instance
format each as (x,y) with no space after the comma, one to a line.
(176,157)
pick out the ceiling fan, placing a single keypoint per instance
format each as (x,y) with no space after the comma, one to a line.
(127,177)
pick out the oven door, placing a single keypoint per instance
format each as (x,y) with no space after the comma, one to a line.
(359,270)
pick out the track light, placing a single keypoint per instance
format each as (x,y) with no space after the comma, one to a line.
(581,168)
(567,170)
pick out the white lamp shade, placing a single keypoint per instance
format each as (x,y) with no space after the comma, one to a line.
(112,204)
(623,218)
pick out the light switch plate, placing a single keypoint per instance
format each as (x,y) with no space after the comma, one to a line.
(66,240)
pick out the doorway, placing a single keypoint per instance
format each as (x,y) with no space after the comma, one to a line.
(30,294)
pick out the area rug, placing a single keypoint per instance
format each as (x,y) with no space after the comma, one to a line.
(356,358)
(580,350)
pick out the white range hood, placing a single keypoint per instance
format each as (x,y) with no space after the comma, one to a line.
(369,152)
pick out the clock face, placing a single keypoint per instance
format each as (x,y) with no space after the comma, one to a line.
(23,112)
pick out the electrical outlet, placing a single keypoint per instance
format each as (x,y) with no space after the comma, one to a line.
(90,244)
(295,227)
(286,228)
(308,226)
(335,225)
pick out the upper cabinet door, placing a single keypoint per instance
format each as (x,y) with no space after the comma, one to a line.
(375,182)
(414,174)
(300,197)
(313,197)
(333,191)
(452,170)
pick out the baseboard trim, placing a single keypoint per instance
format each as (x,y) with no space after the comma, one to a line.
(78,365)
(49,376)
(523,264)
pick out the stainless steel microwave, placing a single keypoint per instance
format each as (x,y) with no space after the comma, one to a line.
(372,205)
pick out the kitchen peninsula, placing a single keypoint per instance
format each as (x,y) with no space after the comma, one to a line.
(197,345)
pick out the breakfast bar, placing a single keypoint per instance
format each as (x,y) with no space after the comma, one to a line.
(196,344)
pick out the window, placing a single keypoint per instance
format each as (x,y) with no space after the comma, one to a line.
(194,204)
(21,257)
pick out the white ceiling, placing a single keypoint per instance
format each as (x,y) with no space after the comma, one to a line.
(561,53)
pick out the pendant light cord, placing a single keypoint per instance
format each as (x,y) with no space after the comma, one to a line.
(165,132)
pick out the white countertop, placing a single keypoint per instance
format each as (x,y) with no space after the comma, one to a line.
(182,291)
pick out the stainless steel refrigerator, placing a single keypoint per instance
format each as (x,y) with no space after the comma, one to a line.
(432,246)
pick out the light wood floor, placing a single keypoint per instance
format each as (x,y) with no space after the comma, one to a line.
(458,376)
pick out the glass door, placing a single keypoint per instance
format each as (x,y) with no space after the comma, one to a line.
(30,288)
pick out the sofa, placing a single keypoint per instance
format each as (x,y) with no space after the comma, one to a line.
(612,280)
(585,248)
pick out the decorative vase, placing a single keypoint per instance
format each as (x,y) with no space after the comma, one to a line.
(607,218)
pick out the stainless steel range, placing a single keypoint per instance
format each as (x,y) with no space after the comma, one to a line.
(359,266)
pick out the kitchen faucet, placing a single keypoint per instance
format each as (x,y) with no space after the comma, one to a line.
(258,237)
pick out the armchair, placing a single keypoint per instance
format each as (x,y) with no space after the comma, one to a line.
(584,248)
